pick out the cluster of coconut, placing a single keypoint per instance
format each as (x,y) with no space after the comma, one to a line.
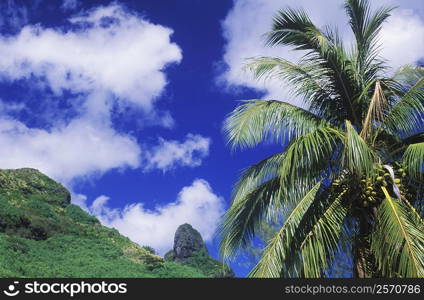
(370,193)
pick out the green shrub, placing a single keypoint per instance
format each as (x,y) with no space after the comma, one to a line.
(16,244)
(76,256)
(149,249)
(169,256)
(36,205)
(79,215)
(211,267)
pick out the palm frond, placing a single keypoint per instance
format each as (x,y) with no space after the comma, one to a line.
(243,218)
(255,175)
(272,262)
(333,58)
(256,121)
(336,61)
(308,80)
(375,111)
(310,154)
(412,211)
(366,25)
(406,116)
(413,158)
(295,28)
(398,240)
(321,242)
(298,169)
(393,145)
(408,76)
(358,158)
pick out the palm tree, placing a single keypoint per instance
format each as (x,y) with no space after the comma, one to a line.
(350,176)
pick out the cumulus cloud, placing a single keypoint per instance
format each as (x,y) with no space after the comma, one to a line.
(169,154)
(105,55)
(80,200)
(247,22)
(401,38)
(84,147)
(79,148)
(106,49)
(196,204)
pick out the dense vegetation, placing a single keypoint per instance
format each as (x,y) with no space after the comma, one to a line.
(350,175)
(42,235)
(202,261)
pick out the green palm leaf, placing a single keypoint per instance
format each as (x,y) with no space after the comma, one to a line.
(299,168)
(406,116)
(365,26)
(409,75)
(256,121)
(294,28)
(309,155)
(275,254)
(309,80)
(413,158)
(358,158)
(244,217)
(321,243)
(257,174)
(398,240)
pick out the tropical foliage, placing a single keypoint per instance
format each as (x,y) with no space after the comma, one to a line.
(43,235)
(350,175)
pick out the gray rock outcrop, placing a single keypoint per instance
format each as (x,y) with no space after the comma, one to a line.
(189,248)
(187,242)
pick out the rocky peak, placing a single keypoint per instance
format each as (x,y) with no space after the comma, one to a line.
(187,242)
(189,249)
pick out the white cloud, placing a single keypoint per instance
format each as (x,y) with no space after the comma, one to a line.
(196,204)
(170,154)
(111,50)
(84,147)
(79,148)
(402,38)
(10,107)
(104,55)
(98,207)
(245,24)
(80,200)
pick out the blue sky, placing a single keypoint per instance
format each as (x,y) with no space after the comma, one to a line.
(123,101)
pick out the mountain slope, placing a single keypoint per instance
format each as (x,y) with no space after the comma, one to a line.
(43,235)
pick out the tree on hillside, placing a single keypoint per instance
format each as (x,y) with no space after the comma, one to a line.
(350,175)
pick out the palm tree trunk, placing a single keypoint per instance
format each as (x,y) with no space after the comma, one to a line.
(359,260)
(361,250)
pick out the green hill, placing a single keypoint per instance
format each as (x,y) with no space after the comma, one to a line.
(43,235)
